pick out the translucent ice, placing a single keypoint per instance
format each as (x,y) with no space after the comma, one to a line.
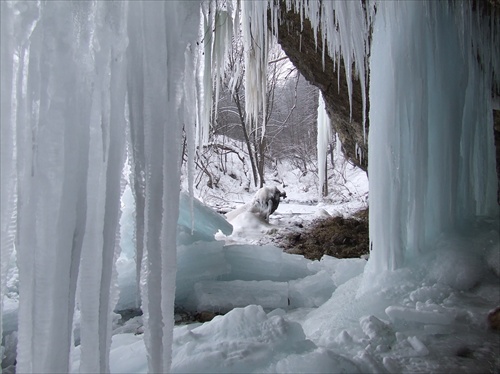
(432,165)
(420,316)
(264,263)
(203,226)
(224,296)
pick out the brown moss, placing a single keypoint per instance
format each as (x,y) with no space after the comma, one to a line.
(334,236)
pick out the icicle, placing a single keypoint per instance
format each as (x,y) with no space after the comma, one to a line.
(52,152)
(101,245)
(256,46)
(135,113)
(338,147)
(345,31)
(324,134)
(162,120)
(223,35)
(206,94)
(190,120)
(8,177)
(236,17)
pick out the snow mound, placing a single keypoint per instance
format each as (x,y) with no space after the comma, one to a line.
(244,340)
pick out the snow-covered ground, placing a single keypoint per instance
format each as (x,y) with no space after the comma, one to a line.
(285,313)
(289,314)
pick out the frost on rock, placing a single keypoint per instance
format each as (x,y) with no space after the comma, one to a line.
(264,203)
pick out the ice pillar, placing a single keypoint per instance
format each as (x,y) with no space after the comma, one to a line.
(324,134)
(432,166)
(8,176)
(160,34)
(51,101)
(105,27)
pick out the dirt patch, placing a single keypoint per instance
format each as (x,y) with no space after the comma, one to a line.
(334,236)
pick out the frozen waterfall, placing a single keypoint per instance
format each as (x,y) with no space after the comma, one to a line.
(432,163)
(86,84)
(79,81)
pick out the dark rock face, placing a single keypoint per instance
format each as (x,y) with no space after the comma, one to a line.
(299,45)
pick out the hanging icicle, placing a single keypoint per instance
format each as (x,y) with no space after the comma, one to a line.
(324,135)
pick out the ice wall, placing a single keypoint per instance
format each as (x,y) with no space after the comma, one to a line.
(62,150)
(75,75)
(432,166)
(433,66)
(52,103)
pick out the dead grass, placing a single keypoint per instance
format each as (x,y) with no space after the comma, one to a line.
(334,236)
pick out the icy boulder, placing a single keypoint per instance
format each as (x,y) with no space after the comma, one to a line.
(205,225)
(215,277)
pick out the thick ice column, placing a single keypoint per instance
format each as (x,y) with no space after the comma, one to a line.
(206,104)
(135,85)
(7,148)
(160,33)
(97,296)
(324,133)
(52,152)
(431,139)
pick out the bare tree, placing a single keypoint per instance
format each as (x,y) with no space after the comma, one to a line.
(281,102)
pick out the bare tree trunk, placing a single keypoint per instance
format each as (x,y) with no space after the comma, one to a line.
(236,98)
(324,189)
(262,149)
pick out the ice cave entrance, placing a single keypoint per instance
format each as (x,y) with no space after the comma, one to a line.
(86,83)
